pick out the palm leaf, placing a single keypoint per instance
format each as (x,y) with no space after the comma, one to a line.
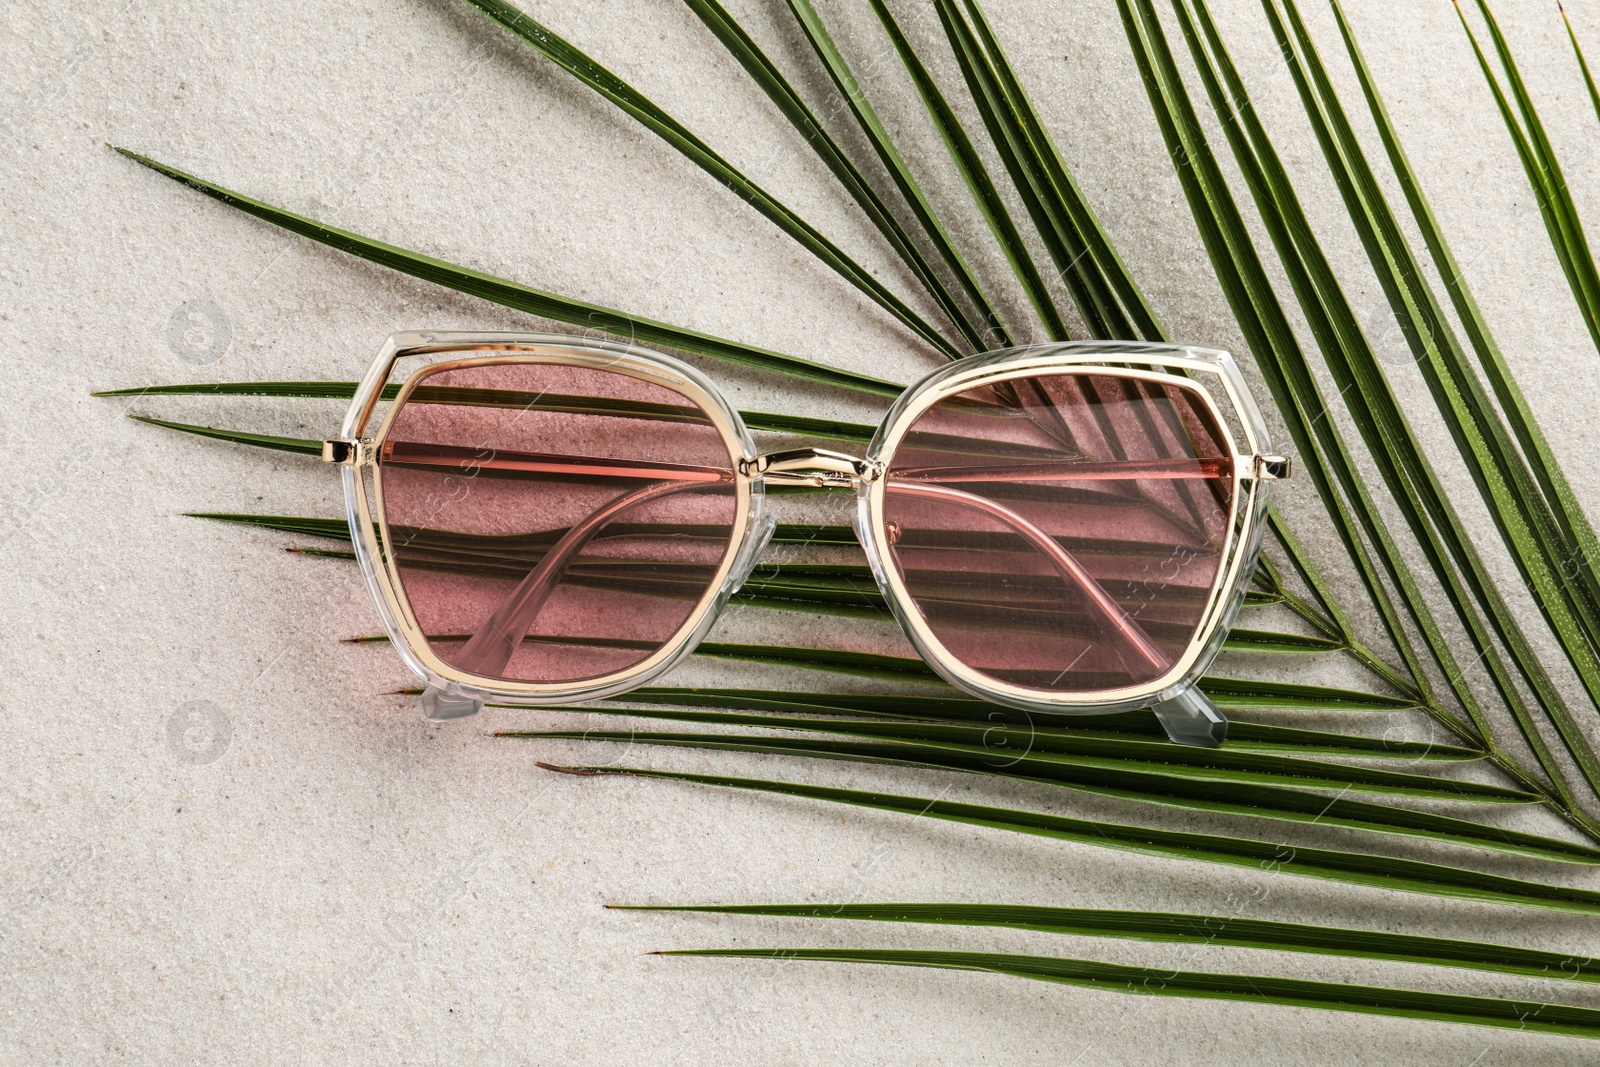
(300,446)
(1240,640)
(1569,540)
(1326,615)
(524,298)
(900,173)
(1583,64)
(1322,451)
(1543,169)
(1223,931)
(771,80)
(1003,746)
(1126,310)
(1549,474)
(1066,251)
(1266,327)
(1229,792)
(669,129)
(1385,872)
(1040,752)
(1355,370)
(1243,737)
(756,420)
(1574,523)
(976,176)
(953,707)
(1230,694)
(1479,434)
(1152,981)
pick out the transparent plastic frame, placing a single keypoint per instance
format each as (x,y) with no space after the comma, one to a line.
(1211,374)
(451,693)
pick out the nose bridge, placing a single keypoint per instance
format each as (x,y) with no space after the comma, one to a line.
(811,466)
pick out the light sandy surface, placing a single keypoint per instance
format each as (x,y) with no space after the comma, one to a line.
(309,873)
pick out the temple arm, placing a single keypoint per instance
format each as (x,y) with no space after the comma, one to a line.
(1135,641)
(497,640)
(1075,471)
(492,646)
(1189,719)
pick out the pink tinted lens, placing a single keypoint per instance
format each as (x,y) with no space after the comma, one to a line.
(1062,532)
(553,523)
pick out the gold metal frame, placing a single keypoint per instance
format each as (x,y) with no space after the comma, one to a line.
(1205,372)
(1188,368)
(359,457)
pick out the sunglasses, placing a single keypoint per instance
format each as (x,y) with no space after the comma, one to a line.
(1061,528)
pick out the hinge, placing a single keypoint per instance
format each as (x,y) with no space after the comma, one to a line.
(1272,468)
(343,452)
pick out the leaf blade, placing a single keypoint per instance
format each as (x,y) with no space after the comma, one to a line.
(571,59)
(771,80)
(1236,793)
(1293,992)
(525,298)
(1169,927)
(1411,876)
